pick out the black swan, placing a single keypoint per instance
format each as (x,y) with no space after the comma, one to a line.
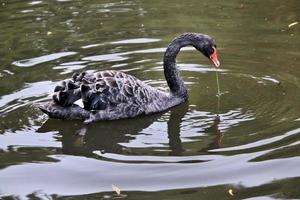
(110,95)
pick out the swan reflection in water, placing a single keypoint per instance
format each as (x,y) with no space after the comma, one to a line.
(215,130)
(108,136)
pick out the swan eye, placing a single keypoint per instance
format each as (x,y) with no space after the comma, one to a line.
(214,48)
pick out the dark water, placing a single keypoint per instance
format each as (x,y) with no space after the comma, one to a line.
(185,153)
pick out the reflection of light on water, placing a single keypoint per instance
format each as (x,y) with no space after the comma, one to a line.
(124,55)
(189,67)
(269,78)
(35,2)
(199,120)
(263,80)
(194,124)
(22,97)
(234,118)
(104,57)
(260,142)
(27,138)
(90,46)
(27,11)
(136,41)
(69,68)
(161,159)
(97,175)
(42,59)
(153,136)
(107,57)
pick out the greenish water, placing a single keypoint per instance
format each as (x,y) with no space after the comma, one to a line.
(184,153)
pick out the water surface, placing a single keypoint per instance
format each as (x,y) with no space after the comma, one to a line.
(184,153)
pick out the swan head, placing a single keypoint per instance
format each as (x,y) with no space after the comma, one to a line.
(207,46)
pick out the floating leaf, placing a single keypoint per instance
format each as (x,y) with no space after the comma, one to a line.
(116,189)
(230,191)
(292,24)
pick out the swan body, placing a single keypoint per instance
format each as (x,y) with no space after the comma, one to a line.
(110,95)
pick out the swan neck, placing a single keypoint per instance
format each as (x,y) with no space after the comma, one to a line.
(172,75)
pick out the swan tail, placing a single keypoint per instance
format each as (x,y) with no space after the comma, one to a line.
(54,110)
(66,93)
(66,98)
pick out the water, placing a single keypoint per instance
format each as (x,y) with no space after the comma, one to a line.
(184,153)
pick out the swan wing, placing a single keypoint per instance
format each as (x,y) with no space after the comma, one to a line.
(109,91)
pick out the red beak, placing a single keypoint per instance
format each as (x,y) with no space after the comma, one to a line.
(214,57)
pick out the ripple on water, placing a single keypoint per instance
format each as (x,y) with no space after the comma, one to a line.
(190,67)
(194,126)
(91,46)
(107,57)
(41,59)
(27,138)
(35,2)
(25,96)
(125,55)
(202,120)
(96,175)
(136,41)
(261,143)
(140,172)
(70,67)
